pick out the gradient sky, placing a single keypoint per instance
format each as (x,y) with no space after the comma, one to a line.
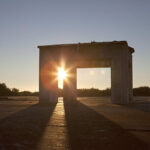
(24,24)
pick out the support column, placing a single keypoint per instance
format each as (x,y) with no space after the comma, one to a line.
(120,78)
(48,83)
(130,79)
(70,84)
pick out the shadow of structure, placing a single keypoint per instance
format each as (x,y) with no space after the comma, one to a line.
(143,106)
(24,129)
(88,130)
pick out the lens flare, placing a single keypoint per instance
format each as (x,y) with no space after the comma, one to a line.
(61,73)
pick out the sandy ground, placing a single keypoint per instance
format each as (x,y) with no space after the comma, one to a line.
(86,124)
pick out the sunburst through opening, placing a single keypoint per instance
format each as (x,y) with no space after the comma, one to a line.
(62,74)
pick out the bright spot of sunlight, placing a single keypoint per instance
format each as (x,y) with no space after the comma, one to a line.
(102,72)
(92,72)
(62,74)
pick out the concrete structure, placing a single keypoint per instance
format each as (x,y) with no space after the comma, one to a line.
(117,55)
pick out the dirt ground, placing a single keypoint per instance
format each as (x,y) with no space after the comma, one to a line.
(86,124)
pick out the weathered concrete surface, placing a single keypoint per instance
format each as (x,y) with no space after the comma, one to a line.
(85,124)
(116,54)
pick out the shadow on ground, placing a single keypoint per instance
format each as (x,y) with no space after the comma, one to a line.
(85,129)
(24,129)
(88,130)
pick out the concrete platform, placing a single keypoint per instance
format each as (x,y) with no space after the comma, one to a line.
(86,124)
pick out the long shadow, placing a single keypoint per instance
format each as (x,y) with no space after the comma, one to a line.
(143,106)
(24,129)
(88,130)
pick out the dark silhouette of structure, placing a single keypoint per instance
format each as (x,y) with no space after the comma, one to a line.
(117,55)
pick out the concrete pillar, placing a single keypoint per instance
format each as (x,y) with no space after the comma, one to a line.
(48,82)
(120,78)
(70,84)
(130,79)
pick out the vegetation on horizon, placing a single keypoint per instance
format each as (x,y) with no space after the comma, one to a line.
(5,91)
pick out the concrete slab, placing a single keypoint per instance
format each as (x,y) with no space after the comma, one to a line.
(88,123)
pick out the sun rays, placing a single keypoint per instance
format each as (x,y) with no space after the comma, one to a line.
(62,75)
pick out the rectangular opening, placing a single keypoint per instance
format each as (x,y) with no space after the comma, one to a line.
(94,82)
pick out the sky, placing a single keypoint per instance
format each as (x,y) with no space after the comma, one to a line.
(25,24)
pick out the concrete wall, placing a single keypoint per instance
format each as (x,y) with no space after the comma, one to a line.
(120,78)
(48,83)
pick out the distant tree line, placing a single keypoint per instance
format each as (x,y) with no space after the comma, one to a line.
(141,91)
(5,91)
(93,92)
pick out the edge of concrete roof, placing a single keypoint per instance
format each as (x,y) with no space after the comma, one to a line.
(92,42)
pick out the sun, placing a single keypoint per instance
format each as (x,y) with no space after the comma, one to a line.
(61,73)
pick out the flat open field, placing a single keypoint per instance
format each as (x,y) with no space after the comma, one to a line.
(86,124)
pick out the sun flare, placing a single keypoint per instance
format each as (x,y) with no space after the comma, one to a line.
(61,73)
